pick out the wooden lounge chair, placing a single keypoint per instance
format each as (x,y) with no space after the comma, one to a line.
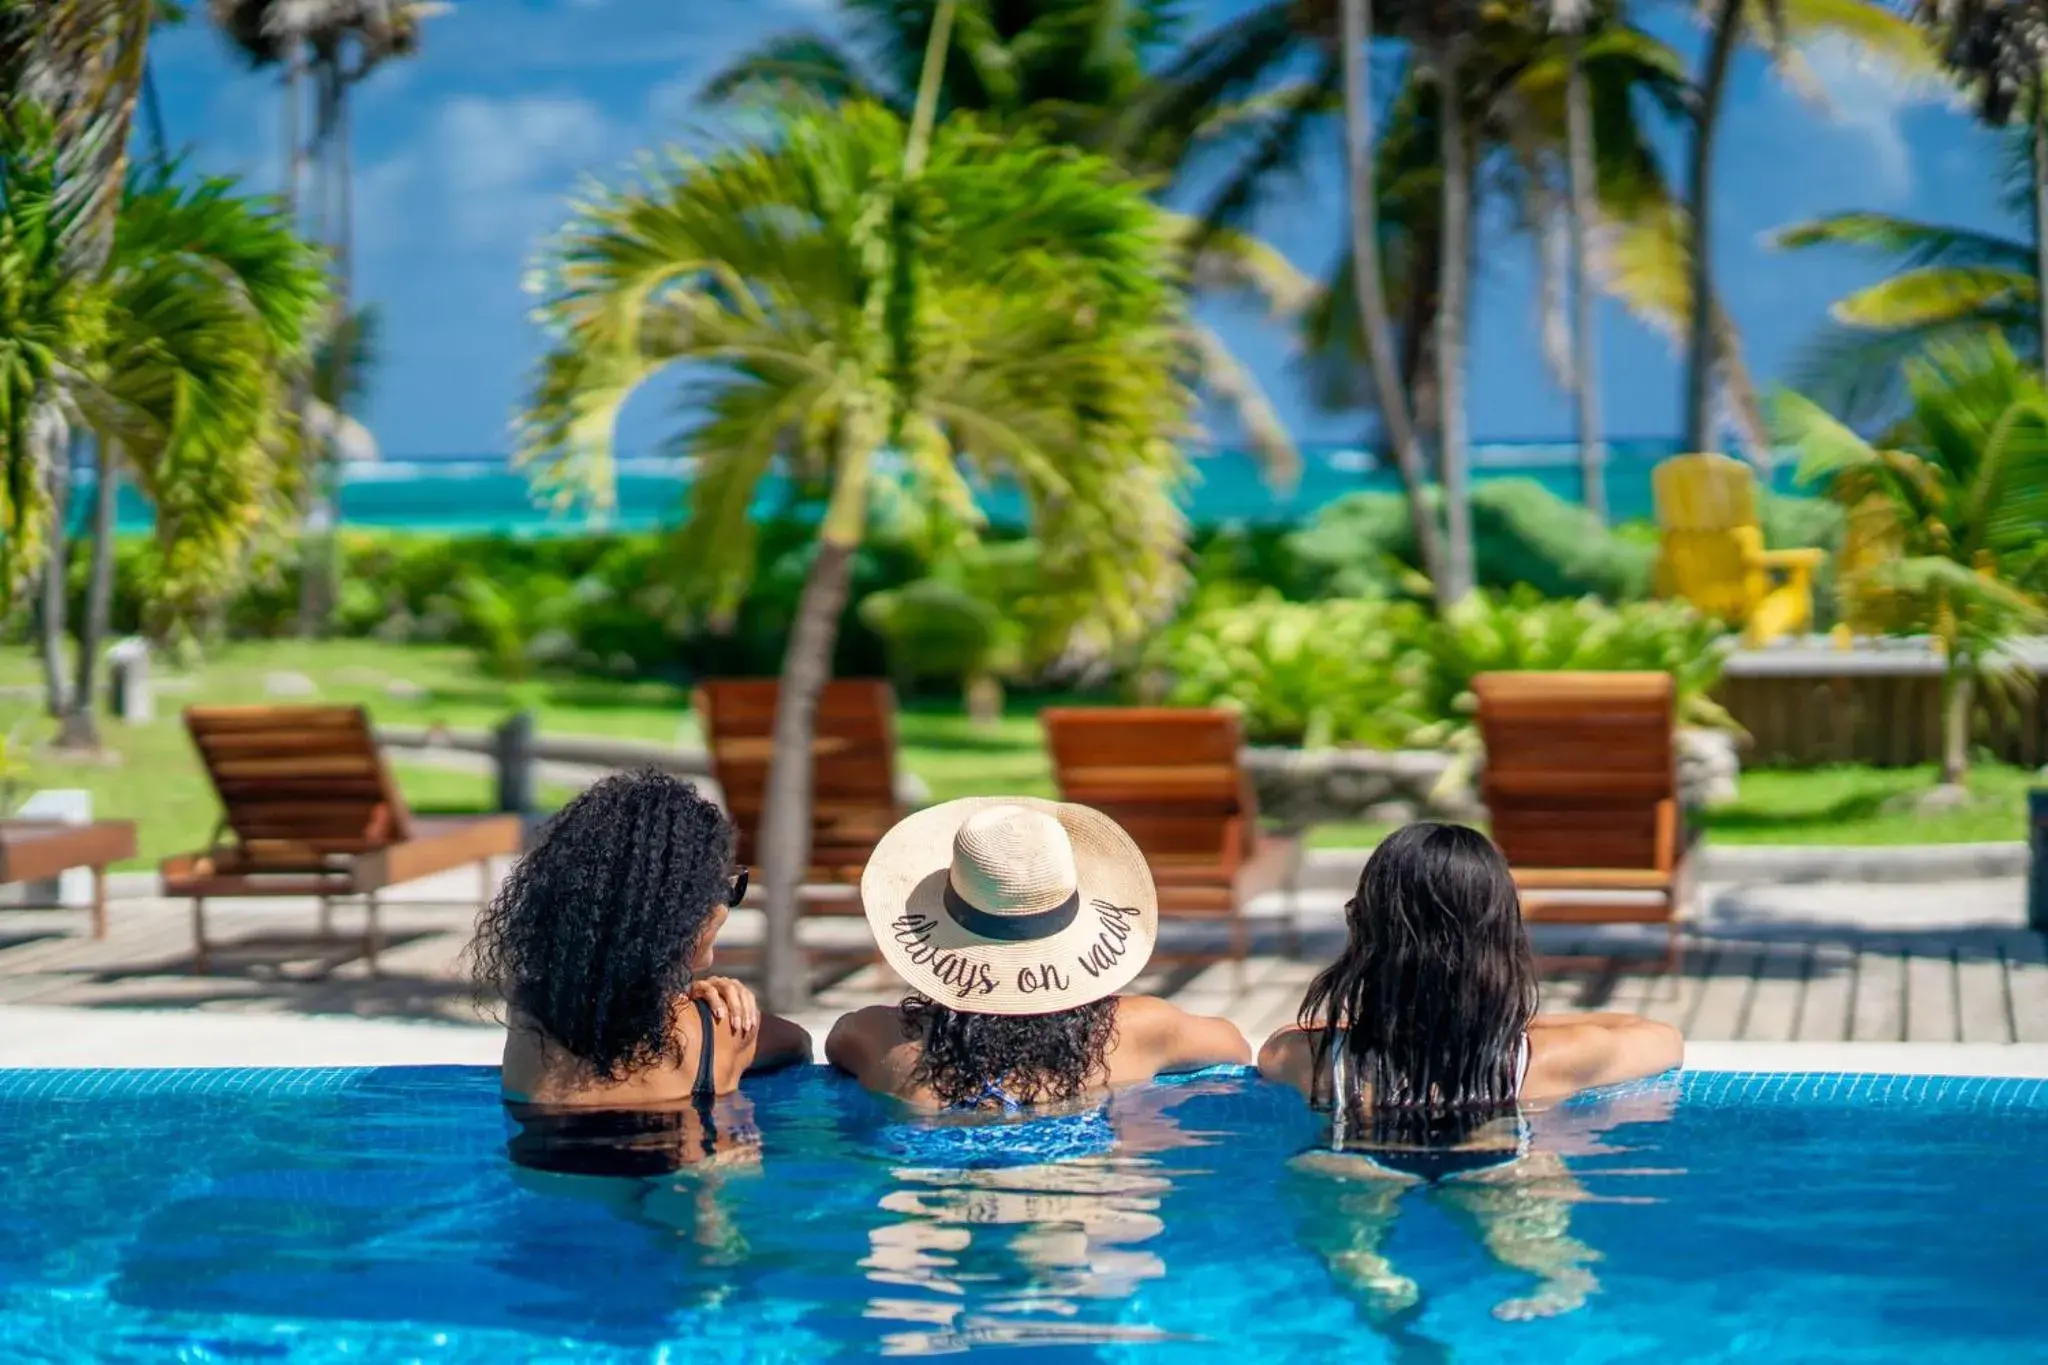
(1711,550)
(1582,787)
(36,850)
(308,808)
(1172,778)
(853,773)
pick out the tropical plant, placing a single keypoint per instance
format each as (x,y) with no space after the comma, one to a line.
(70,74)
(336,44)
(1388,674)
(1522,631)
(1951,284)
(1301,673)
(1961,486)
(1073,71)
(1369,290)
(1569,19)
(991,306)
(1778,25)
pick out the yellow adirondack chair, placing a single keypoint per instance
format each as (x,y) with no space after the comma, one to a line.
(1713,551)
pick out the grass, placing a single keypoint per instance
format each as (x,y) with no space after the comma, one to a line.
(1856,805)
(152,777)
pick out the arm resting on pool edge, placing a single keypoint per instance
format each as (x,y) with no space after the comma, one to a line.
(782,1042)
(1574,1052)
(1171,1039)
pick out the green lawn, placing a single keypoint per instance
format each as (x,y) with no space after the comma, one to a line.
(1853,805)
(154,780)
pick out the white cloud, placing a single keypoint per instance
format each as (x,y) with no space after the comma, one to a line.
(1866,98)
(487,173)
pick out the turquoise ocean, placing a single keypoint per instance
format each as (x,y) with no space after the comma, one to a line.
(487,495)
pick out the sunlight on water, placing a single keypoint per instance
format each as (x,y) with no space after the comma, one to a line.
(401,1213)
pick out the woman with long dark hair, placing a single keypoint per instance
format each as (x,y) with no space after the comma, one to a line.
(599,943)
(1016,922)
(1422,1041)
(1425,1027)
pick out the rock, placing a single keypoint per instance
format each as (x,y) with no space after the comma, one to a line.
(912,790)
(1709,769)
(1946,797)
(550,647)
(404,689)
(287,684)
(1389,813)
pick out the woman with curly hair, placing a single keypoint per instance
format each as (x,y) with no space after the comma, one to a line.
(598,943)
(1016,922)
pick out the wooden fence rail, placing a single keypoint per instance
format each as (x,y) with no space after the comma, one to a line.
(1808,707)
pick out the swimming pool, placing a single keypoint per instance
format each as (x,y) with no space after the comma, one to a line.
(374,1214)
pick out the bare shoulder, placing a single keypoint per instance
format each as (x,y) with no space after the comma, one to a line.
(863,1036)
(1568,1053)
(1288,1057)
(1157,1035)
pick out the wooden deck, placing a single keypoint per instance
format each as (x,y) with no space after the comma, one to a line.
(1839,964)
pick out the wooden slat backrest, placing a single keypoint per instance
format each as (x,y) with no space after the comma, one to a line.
(296,778)
(1579,767)
(853,763)
(1170,776)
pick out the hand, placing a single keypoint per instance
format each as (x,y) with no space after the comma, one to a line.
(732,1004)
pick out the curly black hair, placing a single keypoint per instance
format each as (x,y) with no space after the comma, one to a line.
(973,1060)
(591,935)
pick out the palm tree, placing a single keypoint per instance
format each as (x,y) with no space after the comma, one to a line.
(2000,52)
(1075,71)
(211,297)
(1963,484)
(70,75)
(1777,24)
(1570,18)
(1444,31)
(1006,309)
(1369,288)
(1951,284)
(336,44)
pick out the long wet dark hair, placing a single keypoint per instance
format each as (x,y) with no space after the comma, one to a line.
(1433,992)
(973,1060)
(592,934)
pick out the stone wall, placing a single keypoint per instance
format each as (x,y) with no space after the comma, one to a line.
(1300,787)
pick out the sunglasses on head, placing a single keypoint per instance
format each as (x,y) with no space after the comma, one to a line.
(739,888)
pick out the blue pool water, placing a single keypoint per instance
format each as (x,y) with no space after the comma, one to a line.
(374,1214)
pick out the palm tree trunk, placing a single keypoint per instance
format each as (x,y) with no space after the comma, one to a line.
(1955,724)
(785,845)
(1701,360)
(80,730)
(1451,322)
(1579,215)
(55,605)
(2040,131)
(1371,291)
(314,551)
(294,69)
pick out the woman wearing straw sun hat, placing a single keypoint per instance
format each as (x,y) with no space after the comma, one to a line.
(1015,922)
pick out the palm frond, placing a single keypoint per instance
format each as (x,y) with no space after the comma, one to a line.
(1915,243)
(1931,295)
(802,62)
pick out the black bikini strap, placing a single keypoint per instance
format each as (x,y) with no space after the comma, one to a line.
(707,1078)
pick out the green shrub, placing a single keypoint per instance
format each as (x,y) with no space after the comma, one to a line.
(1314,673)
(1524,535)
(1388,673)
(1523,632)
(1362,545)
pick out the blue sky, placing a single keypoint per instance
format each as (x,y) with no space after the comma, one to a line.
(465,155)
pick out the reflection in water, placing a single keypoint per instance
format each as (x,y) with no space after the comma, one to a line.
(999,1245)
(664,1167)
(1519,1210)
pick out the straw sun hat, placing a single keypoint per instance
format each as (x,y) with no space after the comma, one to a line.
(1011,905)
